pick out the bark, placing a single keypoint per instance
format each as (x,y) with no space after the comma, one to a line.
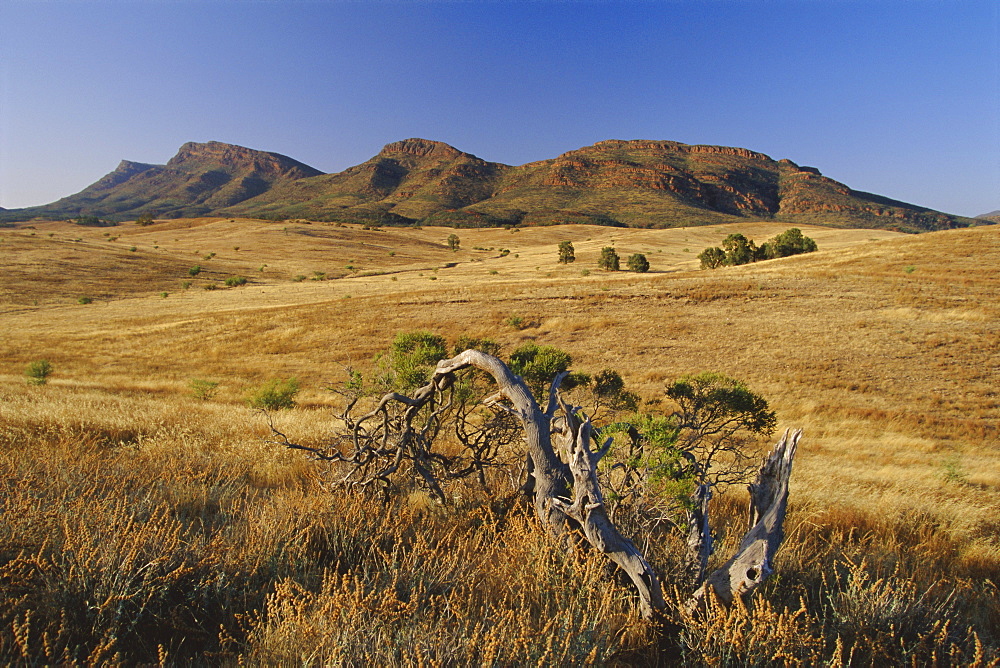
(589,511)
(753,561)
(550,475)
(699,535)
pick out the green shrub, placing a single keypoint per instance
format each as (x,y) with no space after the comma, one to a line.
(85,300)
(195,270)
(203,389)
(274,395)
(38,372)
(637,262)
(235,281)
(412,358)
(144,220)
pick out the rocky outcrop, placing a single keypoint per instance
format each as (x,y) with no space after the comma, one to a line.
(632,182)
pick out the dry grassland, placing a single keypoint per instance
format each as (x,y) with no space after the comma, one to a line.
(885,348)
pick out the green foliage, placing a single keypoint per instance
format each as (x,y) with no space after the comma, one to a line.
(609,392)
(203,389)
(739,250)
(539,365)
(609,260)
(38,372)
(488,346)
(195,270)
(718,418)
(235,281)
(567,253)
(637,262)
(94,221)
(789,242)
(85,300)
(453,241)
(144,220)
(712,258)
(274,395)
(412,357)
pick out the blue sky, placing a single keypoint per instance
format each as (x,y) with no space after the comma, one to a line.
(899,98)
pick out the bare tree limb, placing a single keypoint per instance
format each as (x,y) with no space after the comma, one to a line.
(753,561)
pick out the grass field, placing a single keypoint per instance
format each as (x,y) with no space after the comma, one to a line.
(884,348)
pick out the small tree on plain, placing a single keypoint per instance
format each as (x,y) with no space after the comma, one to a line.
(637,262)
(38,372)
(712,258)
(453,241)
(567,253)
(609,260)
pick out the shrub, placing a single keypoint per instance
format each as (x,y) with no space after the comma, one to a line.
(235,281)
(609,260)
(274,395)
(538,365)
(637,262)
(85,300)
(453,242)
(144,220)
(412,357)
(38,372)
(195,270)
(203,389)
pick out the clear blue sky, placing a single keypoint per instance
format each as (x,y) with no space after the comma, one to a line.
(896,97)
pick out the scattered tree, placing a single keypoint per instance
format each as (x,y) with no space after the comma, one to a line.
(737,249)
(567,253)
(609,259)
(144,220)
(637,262)
(712,258)
(453,241)
(789,242)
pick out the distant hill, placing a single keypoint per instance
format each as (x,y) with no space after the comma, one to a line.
(623,183)
(992,216)
(200,179)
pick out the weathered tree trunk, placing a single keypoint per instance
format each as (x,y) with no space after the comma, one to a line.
(699,535)
(752,563)
(550,475)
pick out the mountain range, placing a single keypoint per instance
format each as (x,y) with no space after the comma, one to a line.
(636,183)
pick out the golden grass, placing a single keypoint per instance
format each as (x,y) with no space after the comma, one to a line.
(884,347)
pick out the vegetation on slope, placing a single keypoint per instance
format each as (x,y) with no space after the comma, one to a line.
(224,548)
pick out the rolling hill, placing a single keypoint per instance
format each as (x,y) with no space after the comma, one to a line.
(200,179)
(639,183)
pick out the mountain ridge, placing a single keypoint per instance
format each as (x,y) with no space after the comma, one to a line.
(634,183)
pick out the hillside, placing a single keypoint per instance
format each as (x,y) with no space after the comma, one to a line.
(199,179)
(992,216)
(147,522)
(647,184)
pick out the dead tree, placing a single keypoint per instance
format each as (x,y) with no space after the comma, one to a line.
(564,491)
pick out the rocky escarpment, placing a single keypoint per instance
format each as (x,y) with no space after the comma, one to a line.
(645,183)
